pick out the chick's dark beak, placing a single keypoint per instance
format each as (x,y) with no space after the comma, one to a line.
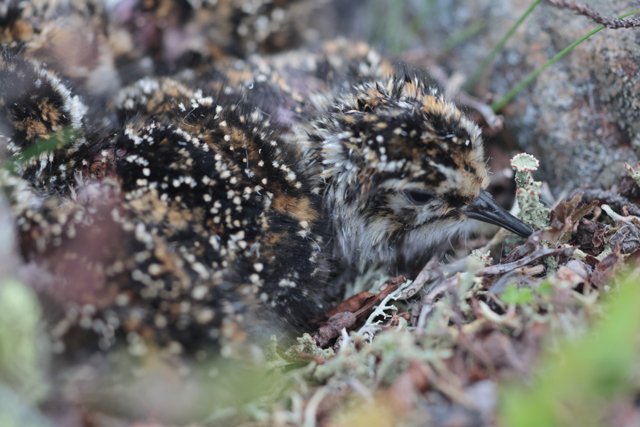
(483,208)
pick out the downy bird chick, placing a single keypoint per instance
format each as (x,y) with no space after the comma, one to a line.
(402,169)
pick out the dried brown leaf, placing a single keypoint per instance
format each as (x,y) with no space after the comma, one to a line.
(589,236)
(613,199)
(564,217)
(359,306)
(352,304)
(606,268)
(387,288)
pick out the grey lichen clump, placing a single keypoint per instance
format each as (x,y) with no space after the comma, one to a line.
(532,212)
(635,174)
(482,259)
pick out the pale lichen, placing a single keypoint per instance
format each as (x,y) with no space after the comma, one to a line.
(552,265)
(532,212)
(483,258)
(307,345)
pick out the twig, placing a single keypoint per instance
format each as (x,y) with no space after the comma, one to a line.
(360,388)
(312,407)
(395,291)
(630,218)
(447,383)
(423,276)
(589,12)
(504,268)
(523,273)
(427,302)
(526,248)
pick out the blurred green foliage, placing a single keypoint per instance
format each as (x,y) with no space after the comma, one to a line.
(23,381)
(396,24)
(575,382)
(21,342)
(463,35)
(515,295)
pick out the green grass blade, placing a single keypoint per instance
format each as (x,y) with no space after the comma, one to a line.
(55,141)
(461,36)
(473,80)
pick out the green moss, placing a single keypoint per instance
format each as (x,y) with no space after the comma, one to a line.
(515,295)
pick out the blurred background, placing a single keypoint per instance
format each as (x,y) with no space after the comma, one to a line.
(580,118)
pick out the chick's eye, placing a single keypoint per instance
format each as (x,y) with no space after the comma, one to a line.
(418,197)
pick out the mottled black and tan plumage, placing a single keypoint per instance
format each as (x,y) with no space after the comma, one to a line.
(400,164)
(99,45)
(36,105)
(203,215)
(216,207)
